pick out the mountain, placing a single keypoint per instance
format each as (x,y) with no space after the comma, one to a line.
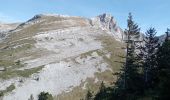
(6,27)
(62,55)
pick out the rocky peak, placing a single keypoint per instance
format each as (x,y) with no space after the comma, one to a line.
(105,21)
(108,23)
(38,16)
(36,19)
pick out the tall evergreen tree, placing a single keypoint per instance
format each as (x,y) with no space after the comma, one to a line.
(128,84)
(129,68)
(148,53)
(133,30)
(89,95)
(102,94)
(163,60)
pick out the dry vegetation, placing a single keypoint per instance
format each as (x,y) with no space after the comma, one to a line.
(114,61)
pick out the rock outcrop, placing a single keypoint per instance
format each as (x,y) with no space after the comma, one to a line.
(108,23)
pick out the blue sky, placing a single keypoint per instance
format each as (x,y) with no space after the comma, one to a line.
(147,13)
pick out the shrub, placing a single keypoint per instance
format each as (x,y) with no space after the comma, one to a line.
(45,96)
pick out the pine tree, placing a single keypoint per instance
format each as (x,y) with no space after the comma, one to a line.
(148,53)
(129,83)
(133,30)
(163,60)
(101,95)
(89,95)
(129,68)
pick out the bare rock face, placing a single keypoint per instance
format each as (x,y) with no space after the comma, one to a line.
(108,23)
(105,21)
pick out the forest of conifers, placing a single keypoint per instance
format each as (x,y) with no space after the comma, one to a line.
(145,74)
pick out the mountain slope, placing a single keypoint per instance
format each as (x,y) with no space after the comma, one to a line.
(57,54)
(5,28)
(8,26)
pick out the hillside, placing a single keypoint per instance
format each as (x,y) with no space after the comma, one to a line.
(62,55)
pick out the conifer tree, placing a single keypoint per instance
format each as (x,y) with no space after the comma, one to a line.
(163,60)
(148,53)
(101,95)
(129,68)
(89,95)
(128,84)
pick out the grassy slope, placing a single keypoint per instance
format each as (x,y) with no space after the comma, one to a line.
(9,55)
(110,46)
(8,89)
(14,47)
(20,43)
